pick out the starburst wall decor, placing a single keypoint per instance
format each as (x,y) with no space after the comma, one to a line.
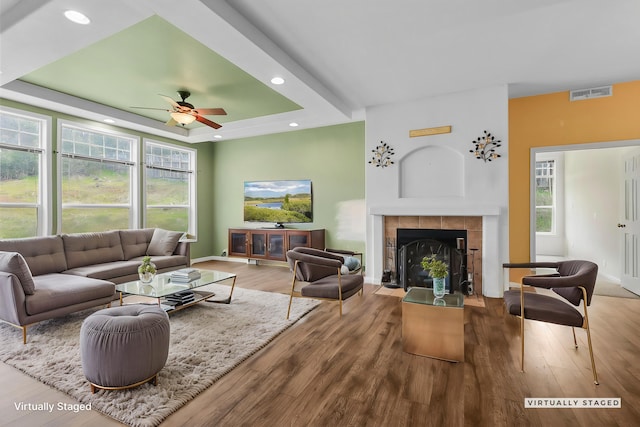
(486,147)
(382,155)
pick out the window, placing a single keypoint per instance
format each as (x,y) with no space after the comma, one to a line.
(545,196)
(97,176)
(23,182)
(170,187)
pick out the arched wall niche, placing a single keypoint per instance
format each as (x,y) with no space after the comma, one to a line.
(431,171)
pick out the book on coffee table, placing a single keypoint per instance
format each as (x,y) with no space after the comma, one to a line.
(180,298)
(185,275)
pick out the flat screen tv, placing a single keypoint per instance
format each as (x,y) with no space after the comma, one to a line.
(279,202)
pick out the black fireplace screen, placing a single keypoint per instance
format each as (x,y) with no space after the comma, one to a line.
(446,245)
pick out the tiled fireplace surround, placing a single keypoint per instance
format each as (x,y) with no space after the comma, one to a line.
(473,225)
(482,223)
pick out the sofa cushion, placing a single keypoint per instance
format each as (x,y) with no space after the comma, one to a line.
(106,270)
(84,249)
(163,242)
(42,254)
(62,290)
(14,263)
(135,242)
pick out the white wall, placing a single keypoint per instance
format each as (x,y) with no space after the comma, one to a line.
(477,185)
(593,180)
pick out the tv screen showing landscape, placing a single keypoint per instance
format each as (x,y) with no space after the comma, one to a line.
(278,201)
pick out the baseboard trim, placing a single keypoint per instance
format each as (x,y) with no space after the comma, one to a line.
(252,261)
(218,258)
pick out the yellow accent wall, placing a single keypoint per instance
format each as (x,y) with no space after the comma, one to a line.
(552,120)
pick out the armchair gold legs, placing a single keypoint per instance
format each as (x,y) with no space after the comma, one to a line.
(293,286)
(573,281)
(585,325)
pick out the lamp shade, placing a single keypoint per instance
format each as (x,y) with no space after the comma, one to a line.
(182,118)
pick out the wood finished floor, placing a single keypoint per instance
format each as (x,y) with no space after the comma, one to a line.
(327,371)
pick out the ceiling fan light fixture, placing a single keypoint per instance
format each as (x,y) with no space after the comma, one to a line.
(77,17)
(182,118)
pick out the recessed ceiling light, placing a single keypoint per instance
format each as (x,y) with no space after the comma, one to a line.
(277,80)
(77,17)
(293,124)
(217,136)
(109,121)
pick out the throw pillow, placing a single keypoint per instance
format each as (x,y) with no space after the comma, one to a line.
(163,242)
(14,263)
(352,263)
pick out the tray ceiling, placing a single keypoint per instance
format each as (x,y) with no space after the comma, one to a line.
(133,66)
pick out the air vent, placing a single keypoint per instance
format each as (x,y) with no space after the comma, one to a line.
(596,92)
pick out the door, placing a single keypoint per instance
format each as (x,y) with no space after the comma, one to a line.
(630,223)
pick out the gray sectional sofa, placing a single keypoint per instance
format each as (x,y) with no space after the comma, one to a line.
(46,277)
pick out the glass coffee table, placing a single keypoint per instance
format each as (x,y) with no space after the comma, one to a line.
(162,287)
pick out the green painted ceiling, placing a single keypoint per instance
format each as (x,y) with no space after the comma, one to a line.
(153,57)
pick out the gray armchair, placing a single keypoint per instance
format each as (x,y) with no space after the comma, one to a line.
(321,271)
(573,280)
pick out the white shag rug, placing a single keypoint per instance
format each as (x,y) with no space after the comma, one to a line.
(207,341)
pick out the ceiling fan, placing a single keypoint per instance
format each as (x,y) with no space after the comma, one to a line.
(184,113)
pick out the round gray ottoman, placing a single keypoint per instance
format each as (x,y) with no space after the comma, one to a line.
(124,347)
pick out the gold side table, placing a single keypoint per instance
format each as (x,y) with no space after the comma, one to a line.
(433,327)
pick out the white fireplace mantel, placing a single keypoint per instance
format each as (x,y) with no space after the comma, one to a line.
(434,210)
(492,278)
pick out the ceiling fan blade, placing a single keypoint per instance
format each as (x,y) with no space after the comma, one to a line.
(210,111)
(150,108)
(208,122)
(171,122)
(170,100)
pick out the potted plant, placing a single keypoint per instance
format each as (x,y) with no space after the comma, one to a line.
(438,270)
(147,270)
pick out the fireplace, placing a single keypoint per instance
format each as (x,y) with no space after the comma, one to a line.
(413,244)
(473,225)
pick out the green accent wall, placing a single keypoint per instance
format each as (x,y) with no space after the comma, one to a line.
(331,157)
(203,247)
